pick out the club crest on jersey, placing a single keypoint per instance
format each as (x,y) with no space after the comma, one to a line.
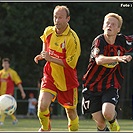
(63,45)
(56,43)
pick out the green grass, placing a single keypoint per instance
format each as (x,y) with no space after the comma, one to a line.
(31,125)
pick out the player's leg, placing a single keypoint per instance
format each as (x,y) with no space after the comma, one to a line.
(15,121)
(100,121)
(68,99)
(44,102)
(2,119)
(92,103)
(109,113)
(110,99)
(73,120)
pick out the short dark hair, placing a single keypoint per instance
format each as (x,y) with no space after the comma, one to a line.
(6,59)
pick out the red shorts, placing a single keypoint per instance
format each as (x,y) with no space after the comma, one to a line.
(68,99)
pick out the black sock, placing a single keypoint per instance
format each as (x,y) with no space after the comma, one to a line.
(105,129)
(112,121)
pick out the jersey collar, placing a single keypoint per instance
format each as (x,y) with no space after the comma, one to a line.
(64,33)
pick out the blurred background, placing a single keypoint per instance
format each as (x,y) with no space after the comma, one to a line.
(22,24)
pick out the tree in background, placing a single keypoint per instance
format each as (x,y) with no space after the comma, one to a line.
(21,25)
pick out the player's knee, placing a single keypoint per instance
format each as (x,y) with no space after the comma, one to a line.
(42,114)
(108,116)
(42,109)
(39,114)
(42,106)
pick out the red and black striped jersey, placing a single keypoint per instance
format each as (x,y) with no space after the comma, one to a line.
(98,77)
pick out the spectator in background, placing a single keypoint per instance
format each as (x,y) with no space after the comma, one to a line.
(32,105)
(9,77)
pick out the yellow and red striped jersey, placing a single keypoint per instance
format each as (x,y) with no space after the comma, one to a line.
(7,80)
(65,46)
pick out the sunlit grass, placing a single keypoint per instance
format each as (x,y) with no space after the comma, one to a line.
(32,125)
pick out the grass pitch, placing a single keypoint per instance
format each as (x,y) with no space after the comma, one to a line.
(58,125)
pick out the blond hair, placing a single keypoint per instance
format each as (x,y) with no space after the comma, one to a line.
(63,7)
(118,17)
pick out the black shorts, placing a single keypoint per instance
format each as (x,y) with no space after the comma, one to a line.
(93,101)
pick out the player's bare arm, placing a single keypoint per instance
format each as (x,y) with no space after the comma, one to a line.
(22,91)
(37,58)
(101,59)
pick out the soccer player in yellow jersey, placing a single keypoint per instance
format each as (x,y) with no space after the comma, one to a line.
(61,50)
(9,77)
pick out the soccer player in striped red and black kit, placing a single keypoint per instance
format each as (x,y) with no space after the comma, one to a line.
(104,76)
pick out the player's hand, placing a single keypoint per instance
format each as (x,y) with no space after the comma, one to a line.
(37,58)
(34,103)
(125,58)
(45,55)
(23,95)
(128,58)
